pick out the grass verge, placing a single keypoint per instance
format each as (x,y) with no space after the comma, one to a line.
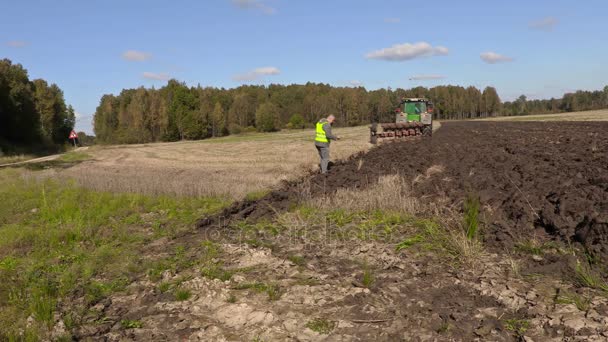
(59,242)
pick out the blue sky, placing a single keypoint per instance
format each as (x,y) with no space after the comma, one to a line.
(89,48)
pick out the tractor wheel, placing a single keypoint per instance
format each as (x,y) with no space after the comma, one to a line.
(427,131)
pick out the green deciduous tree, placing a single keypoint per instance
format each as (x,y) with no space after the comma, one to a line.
(267,117)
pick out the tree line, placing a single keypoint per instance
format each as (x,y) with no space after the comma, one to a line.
(176,111)
(33,113)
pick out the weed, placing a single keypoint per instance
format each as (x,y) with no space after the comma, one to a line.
(164,287)
(130,324)
(321,326)
(182,295)
(216,272)
(297,260)
(340,217)
(42,307)
(367,279)
(443,328)
(231,299)
(585,277)
(409,242)
(580,301)
(273,291)
(518,326)
(471,216)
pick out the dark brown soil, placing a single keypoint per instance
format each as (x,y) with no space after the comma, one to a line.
(547,179)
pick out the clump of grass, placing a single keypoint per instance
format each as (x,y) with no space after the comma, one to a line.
(409,242)
(535,247)
(580,301)
(231,299)
(216,272)
(273,291)
(131,324)
(321,325)
(471,217)
(453,243)
(297,260)
(164,287)
(182,294)
(586,277)
(59,240)
(367,279)
(518,326)
(256,195)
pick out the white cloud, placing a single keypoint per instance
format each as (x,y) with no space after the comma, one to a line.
(407,51)
(254,4)
(16,43)
(355,83)
(493,57)
(392,20)
(427,77)
(544,24)
(136,56)
(156,76)
(257,74)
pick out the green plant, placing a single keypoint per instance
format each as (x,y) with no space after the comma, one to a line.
(130,324)
(273,291)
(518,326)
(367,279)
(340,217)
(296,121)
(471,216)
(585,277)
(407,243)
(164,287)
(216,272)
(581,302)
(231,298)
(320,325)
(297,259)
(182,295)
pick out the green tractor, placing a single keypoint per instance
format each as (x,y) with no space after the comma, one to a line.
(414,117)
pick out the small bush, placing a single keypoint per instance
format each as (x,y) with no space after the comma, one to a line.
(235,129)
(296,122)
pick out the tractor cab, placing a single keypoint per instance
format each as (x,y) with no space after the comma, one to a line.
(414,117)
(414,110)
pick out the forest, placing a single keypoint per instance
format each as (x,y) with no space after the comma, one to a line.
(178,112)
(33,113)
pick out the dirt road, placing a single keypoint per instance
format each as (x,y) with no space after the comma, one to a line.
(42,159)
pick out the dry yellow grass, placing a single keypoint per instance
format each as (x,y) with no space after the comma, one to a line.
(592,115)
(232,166)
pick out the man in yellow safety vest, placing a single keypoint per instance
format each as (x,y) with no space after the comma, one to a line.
(322,140)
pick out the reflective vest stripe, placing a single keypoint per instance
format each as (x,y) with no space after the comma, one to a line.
(321,137)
